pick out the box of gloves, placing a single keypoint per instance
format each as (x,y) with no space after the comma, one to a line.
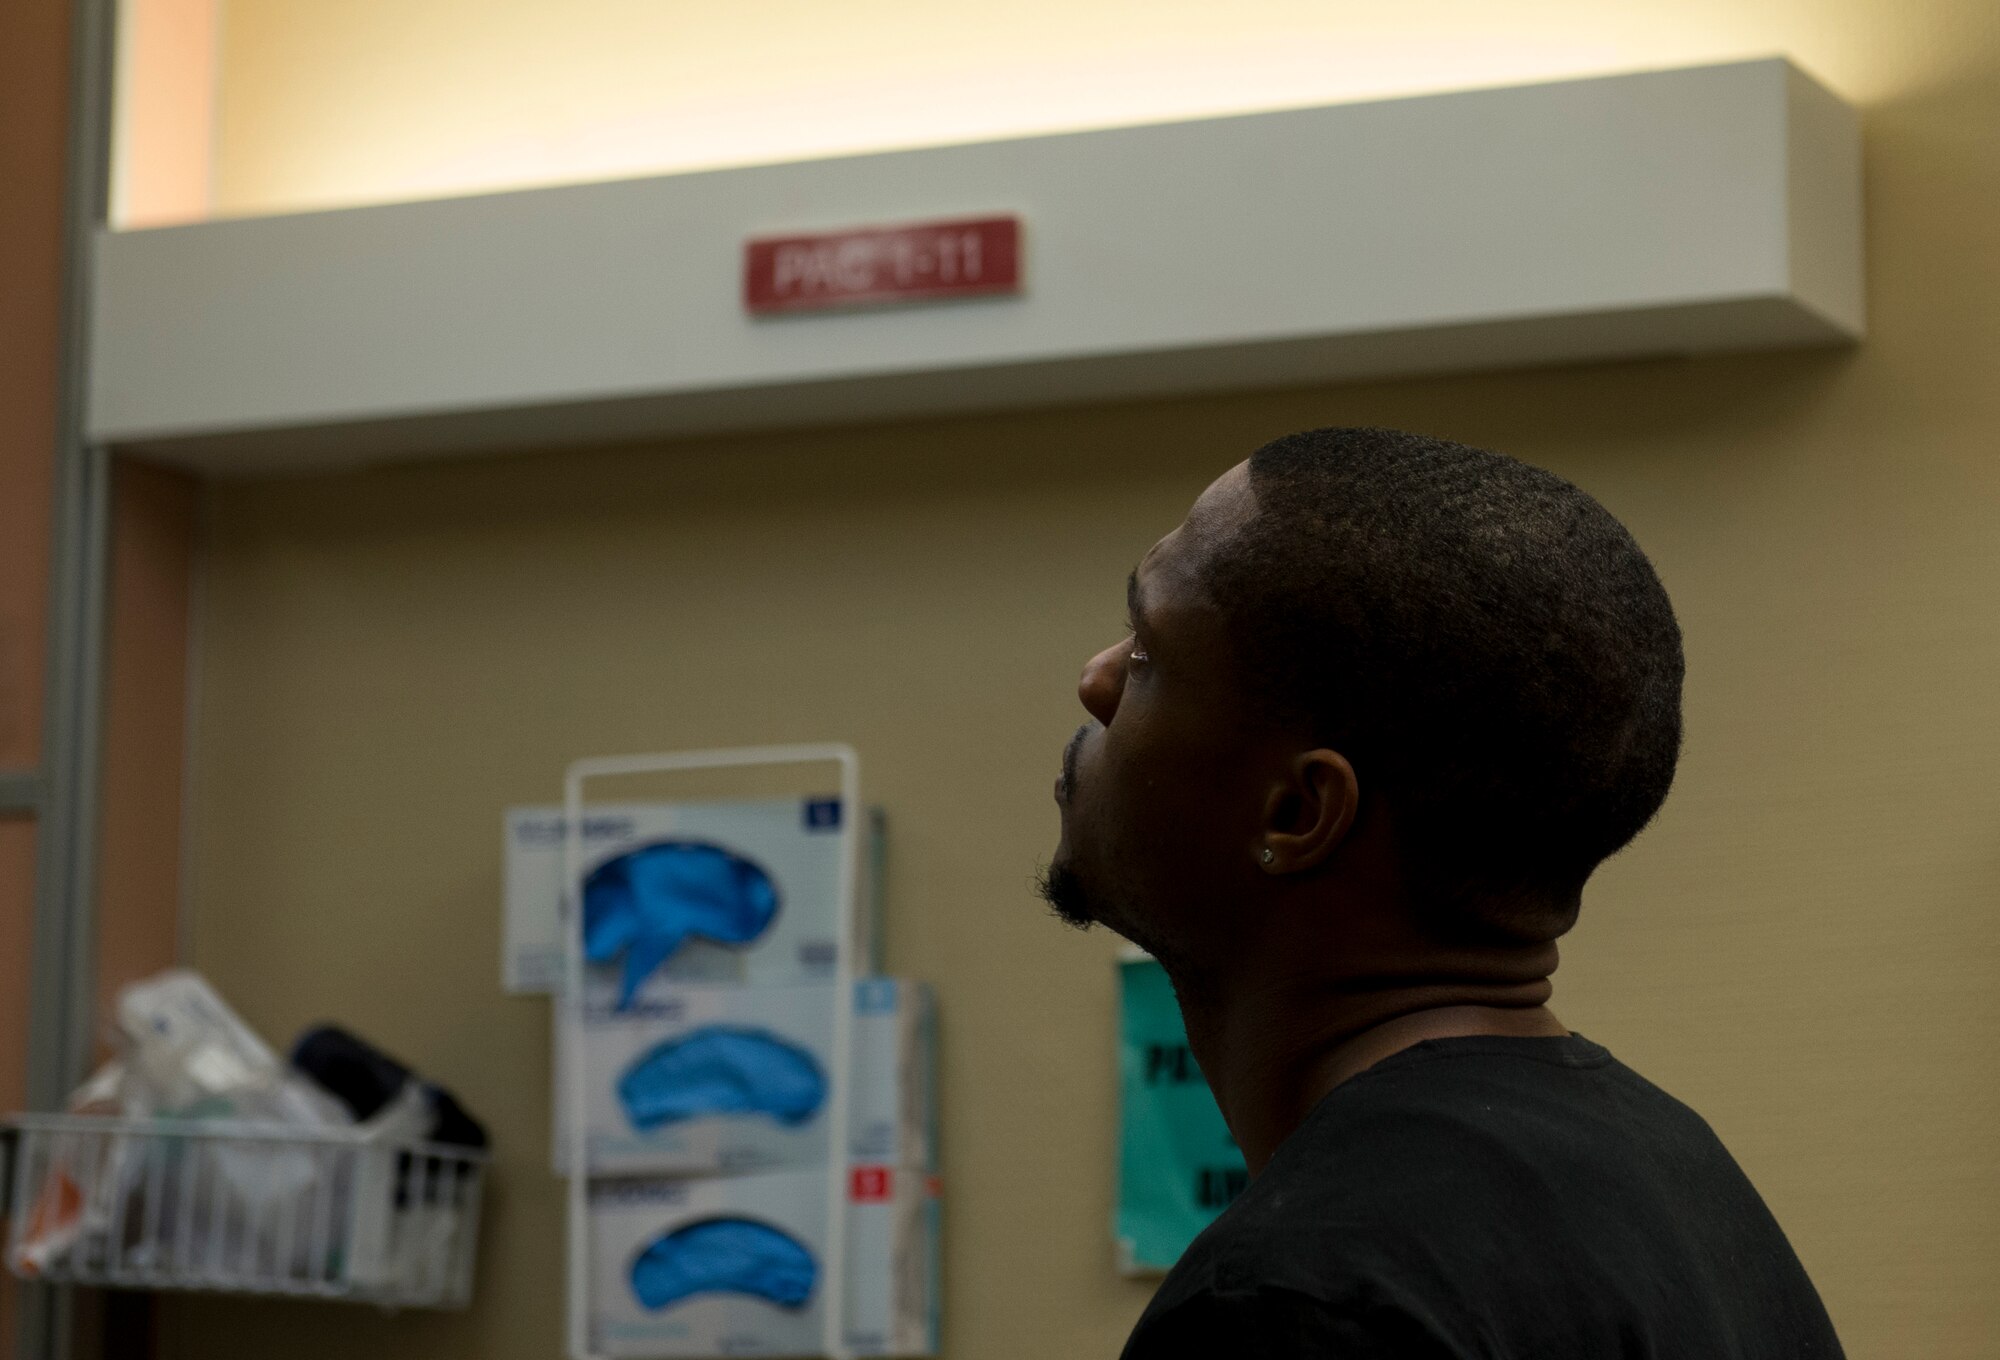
(690,1080)
(737,1265)
(732,892)
(892,1115)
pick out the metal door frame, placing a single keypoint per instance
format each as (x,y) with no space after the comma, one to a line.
(63,795)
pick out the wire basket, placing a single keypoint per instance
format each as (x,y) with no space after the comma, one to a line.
(243,1208)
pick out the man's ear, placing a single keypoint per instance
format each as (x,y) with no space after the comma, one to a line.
(1308,813)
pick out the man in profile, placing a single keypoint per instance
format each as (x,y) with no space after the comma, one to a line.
(1385,704)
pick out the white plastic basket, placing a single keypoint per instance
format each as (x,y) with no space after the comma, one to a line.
(243,1208)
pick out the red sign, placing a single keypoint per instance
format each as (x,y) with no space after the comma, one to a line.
(921,261)
(868,1184)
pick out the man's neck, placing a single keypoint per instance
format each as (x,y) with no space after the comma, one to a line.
(1272,1049)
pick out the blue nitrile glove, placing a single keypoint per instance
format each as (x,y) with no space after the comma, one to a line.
(720,1070)
(724,1256)
(645,902)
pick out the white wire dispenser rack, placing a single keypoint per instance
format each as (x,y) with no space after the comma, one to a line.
(242,1208)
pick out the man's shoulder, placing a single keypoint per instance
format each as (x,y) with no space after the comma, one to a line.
(1274,1322)
(1343,1195)
(1443,1138)
(1433,1125)
(1536,1190)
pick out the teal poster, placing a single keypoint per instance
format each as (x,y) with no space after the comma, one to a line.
(1177,1165)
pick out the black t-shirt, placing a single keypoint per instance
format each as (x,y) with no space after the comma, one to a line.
(1507,1199)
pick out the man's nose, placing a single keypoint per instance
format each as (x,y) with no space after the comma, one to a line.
(1103,681)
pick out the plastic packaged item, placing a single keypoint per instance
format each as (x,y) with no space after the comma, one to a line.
(187,1055)
(737,892)
(188,1049)
(69,1199)
(184,1054)
(696,1080)
(191,1057)
(735,1265)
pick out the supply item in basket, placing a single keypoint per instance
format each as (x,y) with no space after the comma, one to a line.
(56,1217)
(365,1080)
(408,1202)
(189,1056)
(183,1055)
(724,1256)
(643,905)
(722,1070)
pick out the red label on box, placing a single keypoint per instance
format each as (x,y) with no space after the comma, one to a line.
(969,257)
(868,1184)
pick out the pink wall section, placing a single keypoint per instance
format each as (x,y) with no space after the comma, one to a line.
(34,39)
(33,94)
(145,725)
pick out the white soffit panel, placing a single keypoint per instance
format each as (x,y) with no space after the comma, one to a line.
(1699,210)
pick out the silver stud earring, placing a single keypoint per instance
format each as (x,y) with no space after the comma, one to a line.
(1267,854)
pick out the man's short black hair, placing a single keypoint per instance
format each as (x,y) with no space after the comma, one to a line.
(1481,639)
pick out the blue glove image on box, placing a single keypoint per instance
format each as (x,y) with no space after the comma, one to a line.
(724,1256)
(645,902)
(722,1070)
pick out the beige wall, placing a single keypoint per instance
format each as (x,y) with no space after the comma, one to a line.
(1806,947)
(324,102)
